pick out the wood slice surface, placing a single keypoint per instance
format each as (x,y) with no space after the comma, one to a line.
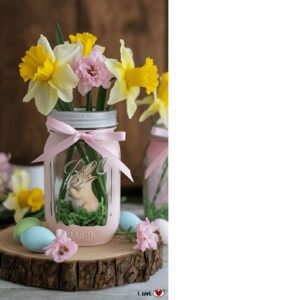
(113,264)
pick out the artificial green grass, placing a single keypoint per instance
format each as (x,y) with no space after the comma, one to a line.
(156,213)
(80,216)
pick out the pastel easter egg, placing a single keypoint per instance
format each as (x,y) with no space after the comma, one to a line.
(23,225)
(36,238)
(127,220)
(163,228)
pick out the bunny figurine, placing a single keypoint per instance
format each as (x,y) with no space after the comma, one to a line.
(80,191)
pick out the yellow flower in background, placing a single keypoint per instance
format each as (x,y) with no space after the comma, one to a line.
(35,199)
(86,39)
(21,199)
(159,103)
(50,74)
(129,79)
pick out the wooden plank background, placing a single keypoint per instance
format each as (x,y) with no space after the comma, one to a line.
(141,23)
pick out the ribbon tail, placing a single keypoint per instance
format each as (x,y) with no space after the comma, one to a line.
(49,154)
(156,162)
(111,158)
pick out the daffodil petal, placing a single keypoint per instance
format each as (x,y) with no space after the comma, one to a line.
(45,43)
(126,56)
(116,68)
(146,114)
(32,90)
(66,52)
(20,180)
(147,100)
(117,93)
(20,213)
(11,202)
(64,80)
(131,102)
(46,98)
(101,49)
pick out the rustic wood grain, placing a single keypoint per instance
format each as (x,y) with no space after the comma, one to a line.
(141,23)
(83,271)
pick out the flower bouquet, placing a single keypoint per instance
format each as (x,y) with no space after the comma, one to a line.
(82,154)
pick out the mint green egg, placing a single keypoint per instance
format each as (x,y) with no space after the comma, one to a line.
(23,225)
(36,238)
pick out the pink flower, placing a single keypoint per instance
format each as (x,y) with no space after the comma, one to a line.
(91,71)
(146,237)
(62,247)
(4,163)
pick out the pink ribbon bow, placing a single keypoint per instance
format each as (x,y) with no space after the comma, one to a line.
(160,132)
(93,138)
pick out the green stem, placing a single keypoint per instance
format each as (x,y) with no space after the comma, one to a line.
(63,187)
(89,101)
(101,99)
(81,152)
(159,186)
(93,156)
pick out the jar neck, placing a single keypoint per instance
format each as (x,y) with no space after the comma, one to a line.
(158,137)
(86,120)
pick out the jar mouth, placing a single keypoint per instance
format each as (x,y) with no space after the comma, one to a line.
(82,119)
(154,136)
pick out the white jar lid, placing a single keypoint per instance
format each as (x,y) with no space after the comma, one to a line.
(79,118)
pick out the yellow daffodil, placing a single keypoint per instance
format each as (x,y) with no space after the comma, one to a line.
(21,199)
(87,40)
(50,74)
(159,102)
(129,79)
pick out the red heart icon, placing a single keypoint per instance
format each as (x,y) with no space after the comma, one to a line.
(158,293)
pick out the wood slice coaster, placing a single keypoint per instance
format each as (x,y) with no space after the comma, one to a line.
(97,267)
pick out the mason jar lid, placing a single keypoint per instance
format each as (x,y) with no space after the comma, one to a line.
(79,118)
(153,135)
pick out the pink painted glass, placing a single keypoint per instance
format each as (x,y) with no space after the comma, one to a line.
(155,190)
(82,187)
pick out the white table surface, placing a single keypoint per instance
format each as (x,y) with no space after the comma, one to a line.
(11,291)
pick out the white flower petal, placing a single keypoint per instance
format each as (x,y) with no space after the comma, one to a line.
(66,52)
(45,43)
(32,90)
(131,102)
(11,202)
(20,180)
(20,213)
(146,114)
(64,80)
(65,95)
(117,93)
(126,56)
(46,99)
(147,100)
(115,68)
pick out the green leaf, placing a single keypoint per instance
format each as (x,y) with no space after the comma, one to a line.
(58,35)
(89,101)
(101,99)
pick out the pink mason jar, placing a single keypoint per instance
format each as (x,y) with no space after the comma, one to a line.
(155,189)
(82,186)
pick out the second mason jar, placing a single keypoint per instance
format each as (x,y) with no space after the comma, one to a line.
(82,187)
(155,189)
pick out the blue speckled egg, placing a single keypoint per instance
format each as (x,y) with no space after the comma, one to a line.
(127,220)
(36,238)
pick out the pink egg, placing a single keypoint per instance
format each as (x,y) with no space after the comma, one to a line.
(163,228)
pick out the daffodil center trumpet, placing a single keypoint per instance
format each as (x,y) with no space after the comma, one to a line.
(145,76)
(37,64)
